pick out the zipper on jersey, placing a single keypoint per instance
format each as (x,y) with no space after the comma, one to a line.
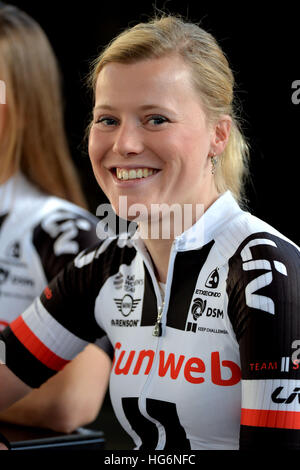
(157,331)
(162,307)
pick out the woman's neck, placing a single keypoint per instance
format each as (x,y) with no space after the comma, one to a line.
(159,250)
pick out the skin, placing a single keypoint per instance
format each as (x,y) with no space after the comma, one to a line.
(153,117)
(70,399)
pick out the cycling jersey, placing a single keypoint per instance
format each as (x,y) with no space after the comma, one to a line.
(39,234)
(214,366)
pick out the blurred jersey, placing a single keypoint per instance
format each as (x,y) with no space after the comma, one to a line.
(39,235)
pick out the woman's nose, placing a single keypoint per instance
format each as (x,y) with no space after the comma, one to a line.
(128,140)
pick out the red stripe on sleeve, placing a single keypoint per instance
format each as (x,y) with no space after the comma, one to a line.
(271,418)
(35,346)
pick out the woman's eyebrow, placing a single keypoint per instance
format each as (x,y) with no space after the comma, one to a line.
(143,107)
(103,106)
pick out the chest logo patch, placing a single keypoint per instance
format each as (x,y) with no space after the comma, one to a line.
(213,279)
(127,304)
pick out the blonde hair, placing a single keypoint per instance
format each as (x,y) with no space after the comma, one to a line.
(33,139)
(211,75)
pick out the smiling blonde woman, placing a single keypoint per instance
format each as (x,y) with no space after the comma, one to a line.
(200,323)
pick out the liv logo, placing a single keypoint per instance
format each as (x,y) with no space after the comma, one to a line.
(269,270)
(2,92)
(278,398)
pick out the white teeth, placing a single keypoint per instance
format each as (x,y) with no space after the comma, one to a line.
(123,174)
(132,174)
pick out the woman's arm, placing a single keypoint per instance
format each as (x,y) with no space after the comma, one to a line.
(70,399)
(11,387)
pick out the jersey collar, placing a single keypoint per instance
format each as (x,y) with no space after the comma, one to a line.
(213,221)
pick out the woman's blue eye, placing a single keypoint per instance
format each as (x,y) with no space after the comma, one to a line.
(157,120)
(107,121)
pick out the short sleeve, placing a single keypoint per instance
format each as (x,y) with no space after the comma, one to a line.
(264,307)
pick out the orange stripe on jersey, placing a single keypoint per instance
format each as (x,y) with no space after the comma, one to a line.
(271,418)
(35,346)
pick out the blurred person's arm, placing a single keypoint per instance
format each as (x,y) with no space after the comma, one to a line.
(70,399)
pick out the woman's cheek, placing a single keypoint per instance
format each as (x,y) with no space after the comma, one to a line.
(94,145)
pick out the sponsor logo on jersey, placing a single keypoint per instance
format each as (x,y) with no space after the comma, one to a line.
(122,322)
(127,304)
(207,293)
(128,284)
(64,229)
(48,293)
(271,268)
(285,364)
(199,309)
(174,366)
(263,366)
(15,286)
(3,275)
(131,283)
(6,275)
(13,250)
(281,395)
(213,279)
(212,282)
(118,281)
(271,403)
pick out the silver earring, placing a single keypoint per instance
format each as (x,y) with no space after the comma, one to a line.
(214,161)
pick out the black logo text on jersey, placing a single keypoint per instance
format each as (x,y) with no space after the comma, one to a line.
(213,279)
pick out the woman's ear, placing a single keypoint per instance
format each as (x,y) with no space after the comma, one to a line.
(221,134)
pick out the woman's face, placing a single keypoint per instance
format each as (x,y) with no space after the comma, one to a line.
(150,140)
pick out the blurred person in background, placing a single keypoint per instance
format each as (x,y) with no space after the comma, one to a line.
(44,222)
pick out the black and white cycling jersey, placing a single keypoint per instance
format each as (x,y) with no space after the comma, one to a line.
(212,366)
(39,235)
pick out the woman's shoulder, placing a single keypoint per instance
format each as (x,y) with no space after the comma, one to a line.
(246,233)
